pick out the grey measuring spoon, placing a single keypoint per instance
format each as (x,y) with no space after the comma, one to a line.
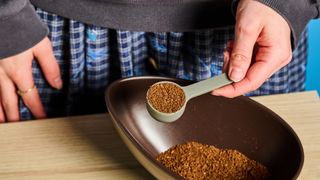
(190,92)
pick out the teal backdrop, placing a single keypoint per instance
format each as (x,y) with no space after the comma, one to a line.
(313,63)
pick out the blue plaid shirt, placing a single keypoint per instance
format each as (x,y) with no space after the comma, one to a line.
(91,57)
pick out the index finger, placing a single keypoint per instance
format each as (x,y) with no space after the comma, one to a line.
(247,84)
(261,70)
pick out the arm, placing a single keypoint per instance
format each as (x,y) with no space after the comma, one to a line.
(22,39)
(20,28)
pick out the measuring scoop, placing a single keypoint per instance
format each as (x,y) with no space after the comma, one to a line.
(190,92)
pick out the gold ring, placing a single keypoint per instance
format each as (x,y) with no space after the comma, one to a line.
(22,93)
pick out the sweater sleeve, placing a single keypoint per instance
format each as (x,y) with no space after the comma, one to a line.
(296,12)
(20,27)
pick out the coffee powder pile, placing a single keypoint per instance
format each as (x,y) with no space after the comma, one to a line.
(198,161)
(166,97)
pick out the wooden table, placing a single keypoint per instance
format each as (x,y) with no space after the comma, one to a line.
(87,147)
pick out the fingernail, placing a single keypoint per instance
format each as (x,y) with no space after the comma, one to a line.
(58,83)
(236,74)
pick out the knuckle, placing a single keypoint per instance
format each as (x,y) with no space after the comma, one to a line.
(239,60)
(252,86)
(6,69)
(16,74)
(288,58)
(256,85)
(240,56)
(246,29)
(285,58)
(286,61)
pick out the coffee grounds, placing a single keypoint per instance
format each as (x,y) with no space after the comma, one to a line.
(166,97)
(198,161)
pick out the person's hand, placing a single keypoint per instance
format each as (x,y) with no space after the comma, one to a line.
(261,47)
(16,74)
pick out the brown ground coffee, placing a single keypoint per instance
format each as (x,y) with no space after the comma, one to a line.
(198,161)
(166,97)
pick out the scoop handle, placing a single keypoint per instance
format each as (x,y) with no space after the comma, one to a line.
(206,86)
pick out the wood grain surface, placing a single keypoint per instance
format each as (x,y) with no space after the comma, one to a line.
(88,147)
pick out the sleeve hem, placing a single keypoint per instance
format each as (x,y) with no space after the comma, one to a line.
(297,13)
(20,32)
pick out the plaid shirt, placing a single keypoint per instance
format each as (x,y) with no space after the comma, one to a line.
(91,57)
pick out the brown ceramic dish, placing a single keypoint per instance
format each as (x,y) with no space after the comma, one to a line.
(239,123)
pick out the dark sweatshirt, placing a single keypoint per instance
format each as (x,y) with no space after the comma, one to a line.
(20,28)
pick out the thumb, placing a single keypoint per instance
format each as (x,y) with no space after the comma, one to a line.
(246,34)
(44,54)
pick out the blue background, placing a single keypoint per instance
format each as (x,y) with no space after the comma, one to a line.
(313,64)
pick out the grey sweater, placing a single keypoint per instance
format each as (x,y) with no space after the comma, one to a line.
(20,28)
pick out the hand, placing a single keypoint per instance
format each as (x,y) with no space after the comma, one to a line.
(261,30)
(16,74)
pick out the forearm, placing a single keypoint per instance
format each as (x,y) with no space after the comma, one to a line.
(20,28)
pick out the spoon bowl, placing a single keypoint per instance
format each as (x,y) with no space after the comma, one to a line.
(190,92)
